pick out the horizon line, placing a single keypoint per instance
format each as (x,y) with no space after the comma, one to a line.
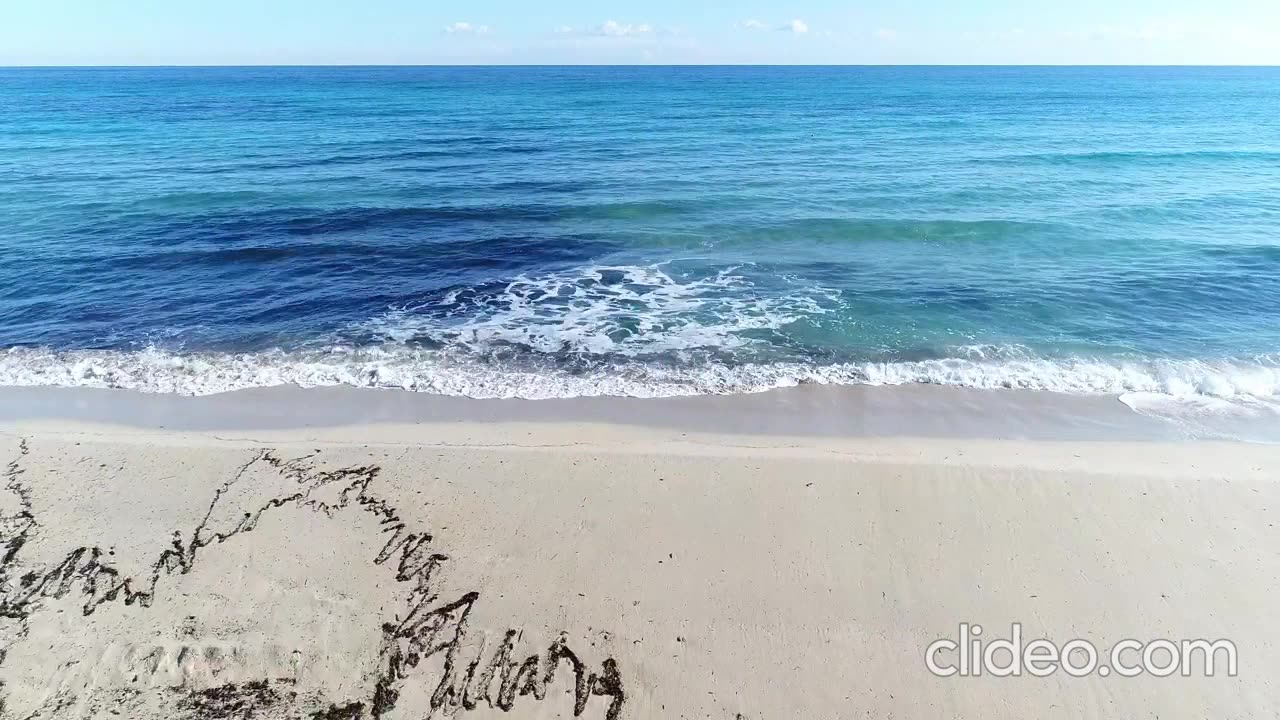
(84,66)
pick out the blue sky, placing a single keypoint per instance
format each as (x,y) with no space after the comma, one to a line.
(56,32)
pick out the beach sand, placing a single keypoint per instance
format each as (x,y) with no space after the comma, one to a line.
(405,569)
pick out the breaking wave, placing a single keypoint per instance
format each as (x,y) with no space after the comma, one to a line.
(1242,383)
(609,311)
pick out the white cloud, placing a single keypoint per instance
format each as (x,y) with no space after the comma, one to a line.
(613,28)
(1165,31)
(886,34)
(466,28)
(565,30)
(1152,32)
(1238,35)
(796,26)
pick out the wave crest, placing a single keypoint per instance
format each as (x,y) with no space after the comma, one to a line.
(608,311)
(1240,382)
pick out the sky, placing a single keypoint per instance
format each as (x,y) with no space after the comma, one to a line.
(304,32)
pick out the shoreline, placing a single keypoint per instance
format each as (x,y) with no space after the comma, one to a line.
(807,410)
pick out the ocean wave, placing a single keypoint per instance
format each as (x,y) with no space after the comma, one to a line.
(1170,155)
(607,311)
(669,329)
(1241,384)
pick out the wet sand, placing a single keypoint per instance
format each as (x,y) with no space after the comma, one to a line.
(814,410)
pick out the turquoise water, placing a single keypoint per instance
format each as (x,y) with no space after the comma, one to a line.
(545,232)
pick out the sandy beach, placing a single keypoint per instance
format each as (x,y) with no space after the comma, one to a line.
(560,569)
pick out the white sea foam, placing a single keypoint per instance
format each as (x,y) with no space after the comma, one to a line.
(1243,385)
(607,310)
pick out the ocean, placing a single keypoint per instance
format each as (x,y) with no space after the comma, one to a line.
(645,231)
